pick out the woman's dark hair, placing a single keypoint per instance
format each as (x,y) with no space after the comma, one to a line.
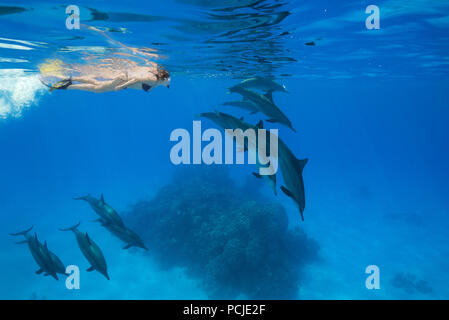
(162,74)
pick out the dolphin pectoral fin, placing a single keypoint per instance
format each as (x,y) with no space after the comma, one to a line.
(39,271)
(127,246)
(90,269)
(256,175)
(105,223)
(102,199)
(287,192)
(71,228)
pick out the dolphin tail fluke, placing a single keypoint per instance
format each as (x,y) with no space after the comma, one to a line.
(21,233)
(71,228)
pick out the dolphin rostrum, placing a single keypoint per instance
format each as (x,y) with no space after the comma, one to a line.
(125,234)
(41,254)
(260,83)
(264,104)
(105,211)
(90,250)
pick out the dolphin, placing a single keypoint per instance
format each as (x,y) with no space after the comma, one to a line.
(105,211)
(260,83)
(125,234)
(265,105)
(227,121)
(292,169)
(90,250)
(39,252)
(245,104)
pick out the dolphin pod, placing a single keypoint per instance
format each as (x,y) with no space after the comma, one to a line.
(110,219)
(290,166)
(90,250)
(48,262)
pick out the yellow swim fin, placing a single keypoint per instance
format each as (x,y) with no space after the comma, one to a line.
(63,84)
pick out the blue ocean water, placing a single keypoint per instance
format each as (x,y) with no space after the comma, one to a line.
(369,107)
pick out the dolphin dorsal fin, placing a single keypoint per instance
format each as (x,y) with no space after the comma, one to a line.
(302,163)
(241,119)
(102,198)
(259,125)
(269,95)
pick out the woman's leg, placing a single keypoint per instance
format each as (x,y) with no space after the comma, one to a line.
(85,80)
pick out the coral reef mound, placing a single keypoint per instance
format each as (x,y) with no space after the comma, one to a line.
(231,238)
